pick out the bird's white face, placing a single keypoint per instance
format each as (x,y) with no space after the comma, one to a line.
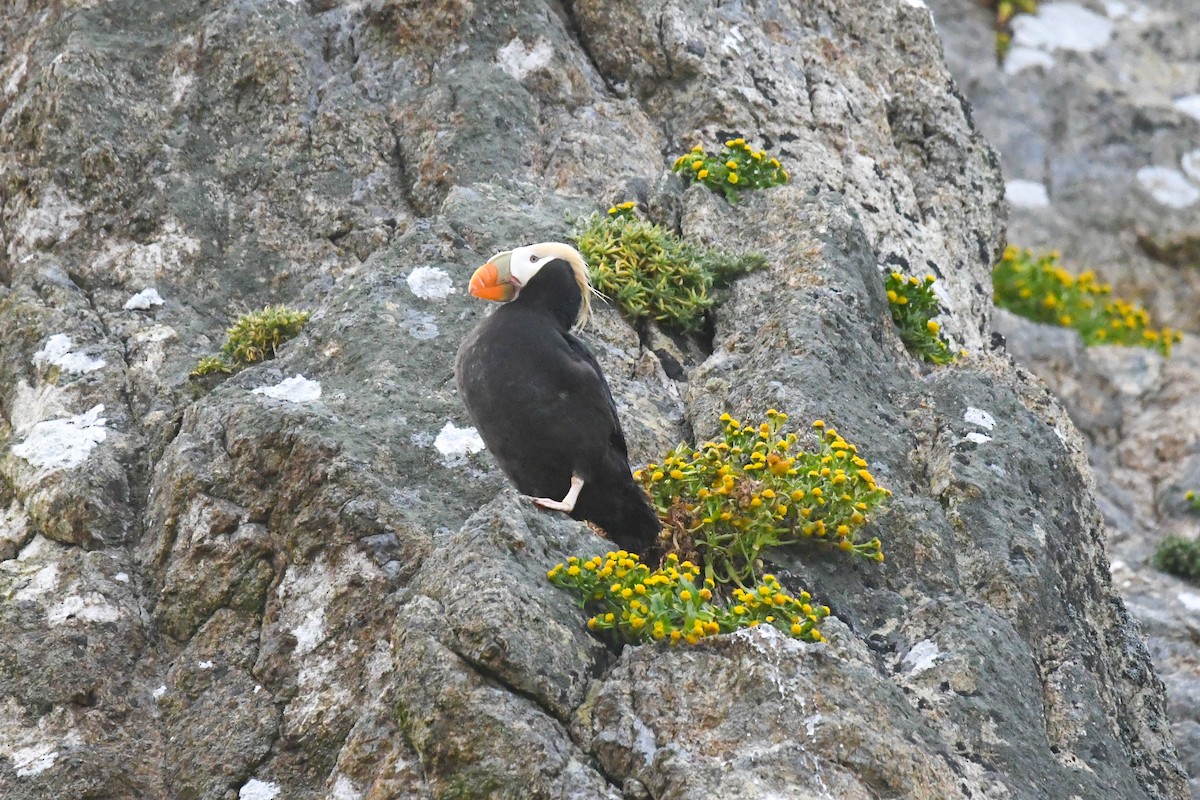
(524,263)
(502,277)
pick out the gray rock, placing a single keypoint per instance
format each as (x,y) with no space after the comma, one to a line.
(1102,131)
(234,595)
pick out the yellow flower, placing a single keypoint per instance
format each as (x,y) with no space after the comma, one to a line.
(731,164)
(796,629)
(932,326)
(697,149)
(733,177)
(702,174)
(685,595)
(572,570)
(697,165)
(677,474)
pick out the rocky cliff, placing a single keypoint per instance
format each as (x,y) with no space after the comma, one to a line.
(326,593)
(1096,115)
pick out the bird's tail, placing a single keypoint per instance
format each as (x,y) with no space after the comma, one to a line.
(630,521)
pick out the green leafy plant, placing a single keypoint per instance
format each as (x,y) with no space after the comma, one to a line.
(726,501)
(1005,11)
(636,604)
(650,272)
(914,305)
(736,168)
(1037,287)
(1179,556)
(252,338)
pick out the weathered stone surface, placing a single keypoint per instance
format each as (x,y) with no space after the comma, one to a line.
(1109,133)
(216,593)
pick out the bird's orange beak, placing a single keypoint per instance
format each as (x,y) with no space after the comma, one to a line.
(492,280)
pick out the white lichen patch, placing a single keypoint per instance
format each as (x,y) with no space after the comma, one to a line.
(1026,194)
(145,264)
(159,692)
(978,438)
(13,524)
(455,443)
(1188,104)
(1189,600)
(977,416)
(63,443)
(16,74)
(33,749)
(42,582)
(254,789)
(1062,26)
(296,389)
(1019,59)
(86,607)
(518,60)
(306,592)
(57,352)
(430,283)
(53,220)
(1116,9)
(144,300)
(1168,186)
(1191,165)
(643,741)
(205,665)
(34,760)
(36,404)
(344,789)
(921,657)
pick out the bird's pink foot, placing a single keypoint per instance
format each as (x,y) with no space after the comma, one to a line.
(552,505)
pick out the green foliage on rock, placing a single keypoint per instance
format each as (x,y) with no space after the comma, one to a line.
(721,505)
(650,272)
(1038,288)
(254,337)
(914,306)
(737,168)
(1180,557)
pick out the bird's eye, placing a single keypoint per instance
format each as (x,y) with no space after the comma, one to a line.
(533,259)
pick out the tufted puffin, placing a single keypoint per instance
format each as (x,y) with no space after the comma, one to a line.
(539,399)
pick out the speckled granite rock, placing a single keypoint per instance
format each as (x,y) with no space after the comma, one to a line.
(1097,119)
(332,594)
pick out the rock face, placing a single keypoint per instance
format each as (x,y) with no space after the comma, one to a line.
(1099,139)
(234,594)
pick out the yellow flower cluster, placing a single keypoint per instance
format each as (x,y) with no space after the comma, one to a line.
(914,305)
(737,166)
(673,604)
(1037,287)
(757,488)
(622,209)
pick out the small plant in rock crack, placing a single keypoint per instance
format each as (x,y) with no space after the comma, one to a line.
(651,273)
(914,306)
(735,169)
(634,604)
(1038,288)
(1178,556)
(755,488)
(1192,499)
(252,338)
(1005,11)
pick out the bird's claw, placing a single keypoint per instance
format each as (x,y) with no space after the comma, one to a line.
(551,505)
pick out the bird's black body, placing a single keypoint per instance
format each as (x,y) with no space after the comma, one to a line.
(542,406)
